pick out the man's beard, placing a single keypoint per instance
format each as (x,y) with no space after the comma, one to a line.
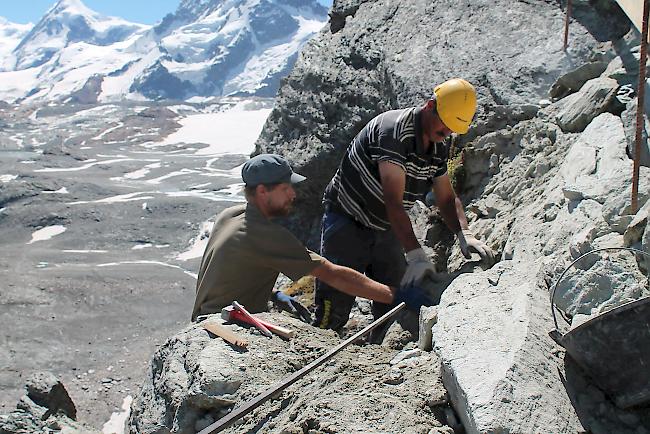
(282,211)
(439,136)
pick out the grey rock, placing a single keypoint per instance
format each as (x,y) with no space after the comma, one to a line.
(629,121)
(579,109)
(47,407)
(573,80)
(341,10)
(609,280)
(45,389)
(405,355)
(194,378)
(428,317)
(396,336)
(635,230)
(494,351)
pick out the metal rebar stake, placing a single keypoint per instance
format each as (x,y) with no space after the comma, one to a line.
(566,23)
(640,108)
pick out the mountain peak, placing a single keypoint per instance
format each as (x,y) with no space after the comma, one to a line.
(65,23)
(71,7)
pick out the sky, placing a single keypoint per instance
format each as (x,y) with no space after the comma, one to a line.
(139,11)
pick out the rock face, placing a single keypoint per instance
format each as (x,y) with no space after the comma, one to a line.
(380,55)
(550,198)
(196,379)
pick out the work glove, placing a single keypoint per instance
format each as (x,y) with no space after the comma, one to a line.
(469,243)
(414,296)
(418,267)
(285,302)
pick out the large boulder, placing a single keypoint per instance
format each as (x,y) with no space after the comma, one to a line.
(497,363)
(595,97)
(503,372)
(196,378)
(572,81)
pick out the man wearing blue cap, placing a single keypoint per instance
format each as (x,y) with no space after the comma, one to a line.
(247,250)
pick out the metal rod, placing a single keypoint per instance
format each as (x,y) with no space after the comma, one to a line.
(640,108)
(252,404)
(566,24)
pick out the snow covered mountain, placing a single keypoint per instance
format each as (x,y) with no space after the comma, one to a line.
(214,47)
(10,36)
(69,47)
(205,48)
(65,24)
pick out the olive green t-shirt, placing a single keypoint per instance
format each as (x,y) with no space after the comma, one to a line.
(245,253)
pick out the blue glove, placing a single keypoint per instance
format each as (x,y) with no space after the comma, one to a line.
(285,302)
(414,297)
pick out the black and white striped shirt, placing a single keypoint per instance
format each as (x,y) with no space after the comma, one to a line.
(394,136)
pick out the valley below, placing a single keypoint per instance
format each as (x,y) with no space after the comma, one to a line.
(104,212)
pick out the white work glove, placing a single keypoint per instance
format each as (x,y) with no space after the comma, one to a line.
(469,243)
(418,267)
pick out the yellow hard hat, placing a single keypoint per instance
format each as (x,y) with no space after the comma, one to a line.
(456,104)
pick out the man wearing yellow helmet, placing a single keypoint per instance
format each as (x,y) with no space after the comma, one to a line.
(395,160)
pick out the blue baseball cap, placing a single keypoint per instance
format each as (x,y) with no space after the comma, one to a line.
(268,169)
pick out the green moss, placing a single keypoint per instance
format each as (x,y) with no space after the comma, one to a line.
(456,172)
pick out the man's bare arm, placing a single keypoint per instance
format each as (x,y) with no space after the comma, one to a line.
(393,182)
(352,282)
(451,208)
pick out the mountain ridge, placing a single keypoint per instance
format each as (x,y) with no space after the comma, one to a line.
(203,49)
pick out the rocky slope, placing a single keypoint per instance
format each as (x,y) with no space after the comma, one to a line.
(380,55)
(547,178)
(195,378)
(546,196)
(545,181)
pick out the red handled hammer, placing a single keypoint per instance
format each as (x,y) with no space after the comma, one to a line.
(229,313)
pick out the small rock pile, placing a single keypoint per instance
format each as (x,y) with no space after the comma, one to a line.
(46,408)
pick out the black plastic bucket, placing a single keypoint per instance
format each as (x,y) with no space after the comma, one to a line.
(613,348)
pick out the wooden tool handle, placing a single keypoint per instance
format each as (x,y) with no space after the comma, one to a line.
(225,334)
(278,330)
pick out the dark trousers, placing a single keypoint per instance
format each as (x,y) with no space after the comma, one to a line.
(378,254)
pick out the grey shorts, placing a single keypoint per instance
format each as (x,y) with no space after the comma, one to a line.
(378,254)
